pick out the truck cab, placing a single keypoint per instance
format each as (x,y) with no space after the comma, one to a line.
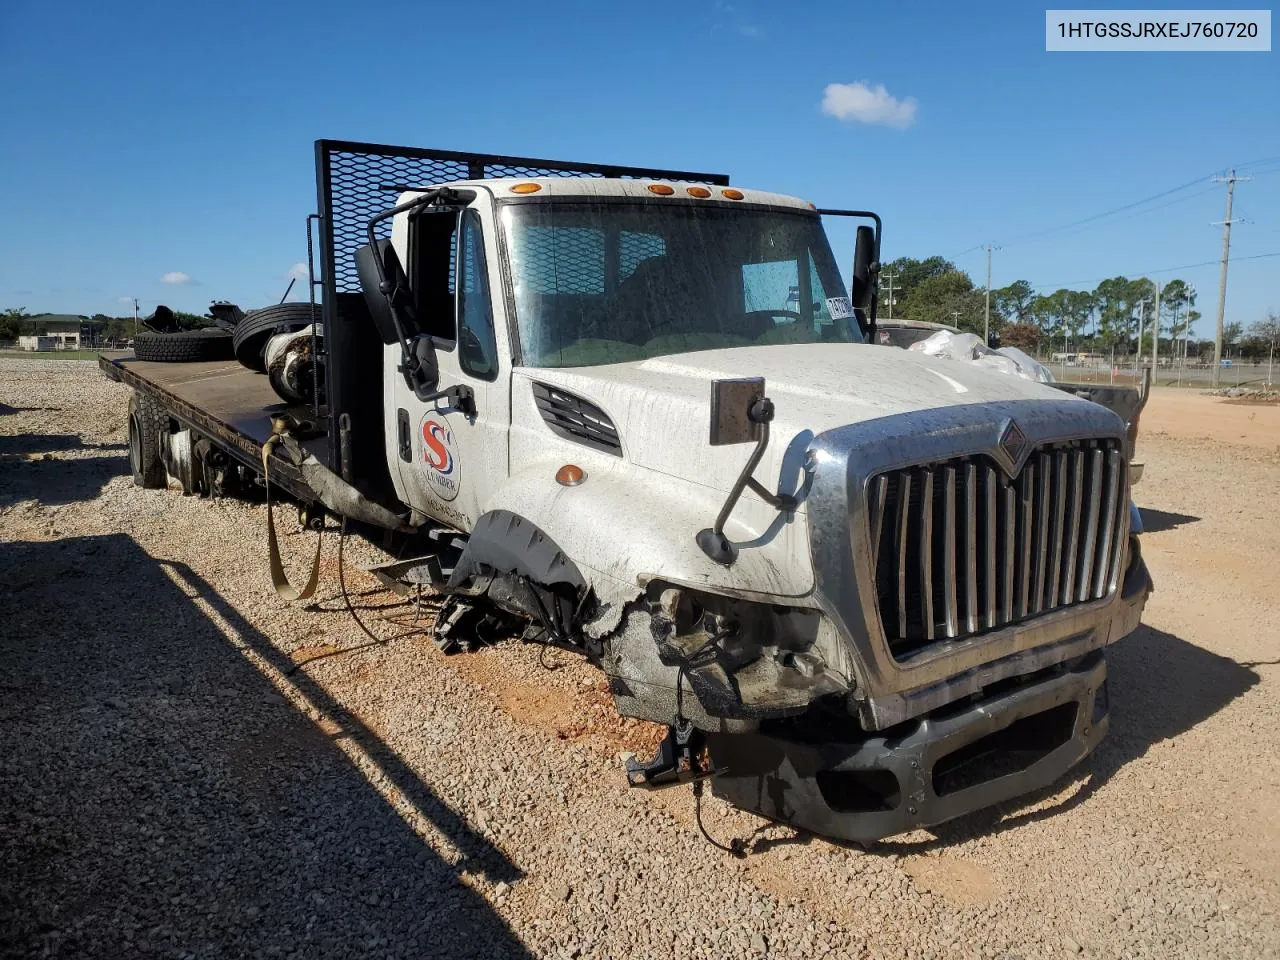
(927,555)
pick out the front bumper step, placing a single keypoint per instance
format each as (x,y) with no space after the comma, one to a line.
(955,761)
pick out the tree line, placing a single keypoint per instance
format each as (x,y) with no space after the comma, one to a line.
(16,322)
(1110,317)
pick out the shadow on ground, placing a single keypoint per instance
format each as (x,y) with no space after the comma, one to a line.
(1160,686)
(1158,521)
(30,468)
(159,797)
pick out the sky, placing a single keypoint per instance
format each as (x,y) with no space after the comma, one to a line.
(164,151)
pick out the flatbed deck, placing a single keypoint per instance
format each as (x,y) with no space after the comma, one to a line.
(225,401)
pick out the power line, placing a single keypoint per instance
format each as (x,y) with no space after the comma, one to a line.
(1141,273)
(957,256)
(1037,234)
(1106,213)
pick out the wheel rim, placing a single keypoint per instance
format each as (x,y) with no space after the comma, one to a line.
(135,444)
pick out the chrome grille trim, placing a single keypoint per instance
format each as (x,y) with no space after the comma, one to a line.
(966,549)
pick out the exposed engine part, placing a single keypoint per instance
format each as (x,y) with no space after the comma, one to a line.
(462,625)
(290,359)
(679,760)
(734,662)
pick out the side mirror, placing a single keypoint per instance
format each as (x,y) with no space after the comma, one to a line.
(865,269)
(382,303)
(731,404)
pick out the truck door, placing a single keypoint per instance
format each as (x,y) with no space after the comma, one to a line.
(447,462)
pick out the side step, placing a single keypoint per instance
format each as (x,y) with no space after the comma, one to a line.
(429,570)
(405,576)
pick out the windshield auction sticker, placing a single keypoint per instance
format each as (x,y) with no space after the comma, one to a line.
(1121,31)
(839,307)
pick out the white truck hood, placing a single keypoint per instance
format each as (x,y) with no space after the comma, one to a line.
(662,406)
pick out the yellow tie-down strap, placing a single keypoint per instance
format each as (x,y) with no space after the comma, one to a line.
(279,579)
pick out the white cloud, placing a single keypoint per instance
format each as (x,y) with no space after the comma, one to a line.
(177,278)
(298,271)
(862,103)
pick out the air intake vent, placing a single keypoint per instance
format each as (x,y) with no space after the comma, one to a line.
(576,419)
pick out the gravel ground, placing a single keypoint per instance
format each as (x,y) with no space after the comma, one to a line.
(189,768)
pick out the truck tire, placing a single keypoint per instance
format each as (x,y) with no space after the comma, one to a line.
(144,443)
(259,326)
(185,347)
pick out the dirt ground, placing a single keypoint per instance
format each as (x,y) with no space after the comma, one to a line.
(1190,415)
(189,768)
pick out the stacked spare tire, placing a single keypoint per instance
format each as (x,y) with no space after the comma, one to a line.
(279,340)
(166,342)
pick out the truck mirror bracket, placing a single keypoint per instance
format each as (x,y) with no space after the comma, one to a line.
(712,540)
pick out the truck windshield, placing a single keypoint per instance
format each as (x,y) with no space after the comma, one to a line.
(599,282)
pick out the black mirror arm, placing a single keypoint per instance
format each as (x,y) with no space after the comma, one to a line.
(461,397)
(712,539)
(409,366)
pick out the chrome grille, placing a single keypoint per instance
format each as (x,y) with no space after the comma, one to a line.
(959,548)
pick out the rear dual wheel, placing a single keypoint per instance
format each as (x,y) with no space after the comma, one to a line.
(144,443)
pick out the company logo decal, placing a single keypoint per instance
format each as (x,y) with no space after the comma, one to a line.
(1014,443)
(439,457)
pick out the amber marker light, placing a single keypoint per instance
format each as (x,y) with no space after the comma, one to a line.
(700,192)
(732,194)
(570,475)
(526,188)
(661,189)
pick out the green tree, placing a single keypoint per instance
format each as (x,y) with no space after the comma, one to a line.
(1231,334)
(1263,338)
(1014,302)
(1118,302)
(908,273)
(12,323)
(948,298)
(1175,299)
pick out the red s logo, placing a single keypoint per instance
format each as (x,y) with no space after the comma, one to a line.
(434,451)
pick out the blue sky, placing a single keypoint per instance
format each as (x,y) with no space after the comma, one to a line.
(145,139)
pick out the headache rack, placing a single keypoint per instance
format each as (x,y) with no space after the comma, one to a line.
(960,548)
(354,182)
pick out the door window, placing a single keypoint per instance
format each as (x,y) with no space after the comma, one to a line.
(477,345)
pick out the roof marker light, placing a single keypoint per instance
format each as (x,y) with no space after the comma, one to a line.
(526,188)
(700,192)
(661,189)
(731,194)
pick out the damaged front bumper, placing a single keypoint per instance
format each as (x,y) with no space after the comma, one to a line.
(948,764)
(1013,733)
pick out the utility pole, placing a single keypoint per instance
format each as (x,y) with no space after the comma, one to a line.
(1142,325)
(135,318)
(1155,340)
(887,279)
(1230,180)
(955,316)
(1186,325)
(986,321)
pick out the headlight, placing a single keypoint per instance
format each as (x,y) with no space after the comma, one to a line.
(745,658)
